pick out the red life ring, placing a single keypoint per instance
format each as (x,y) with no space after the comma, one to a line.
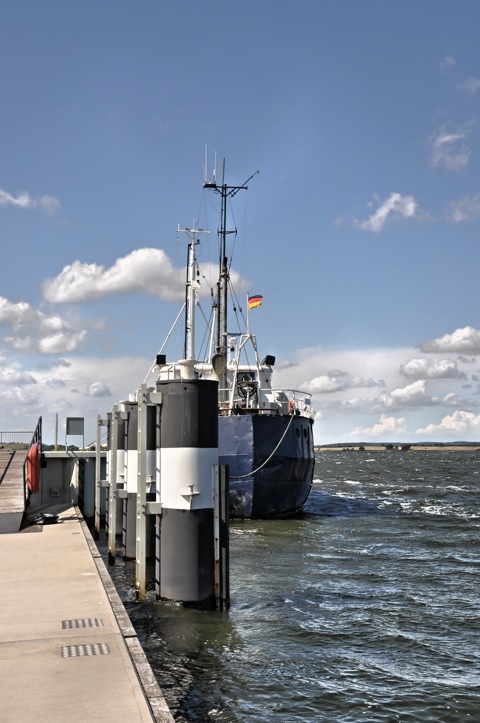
(33,468)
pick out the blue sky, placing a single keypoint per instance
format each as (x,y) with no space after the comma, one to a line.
(360,230)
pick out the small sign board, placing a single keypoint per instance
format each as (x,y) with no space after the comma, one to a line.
(75,426)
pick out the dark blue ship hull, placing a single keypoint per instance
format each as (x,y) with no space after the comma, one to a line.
(261,485)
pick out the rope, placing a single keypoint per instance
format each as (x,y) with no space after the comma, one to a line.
(270,456)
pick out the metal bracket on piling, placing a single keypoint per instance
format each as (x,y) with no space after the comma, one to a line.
(115,490)
(99,483)
(221,536)
(145,397)
(188,496)
(154,508)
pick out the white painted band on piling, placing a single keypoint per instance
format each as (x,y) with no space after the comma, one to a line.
(130,469)
(186,475)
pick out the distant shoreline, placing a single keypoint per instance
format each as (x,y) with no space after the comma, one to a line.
(392,447)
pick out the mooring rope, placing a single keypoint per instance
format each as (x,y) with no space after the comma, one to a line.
(241,476)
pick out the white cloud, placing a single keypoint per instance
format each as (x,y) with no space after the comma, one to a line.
(13,376)
(413,395)
(98,389)
(386,427)
(455,400)
(337,380)
(56,383)
(370,368)
(35,331)
(447,63)
(461,341)
(76,386)
(467,209)
(61,343)
(470,85)
(11,313)
(431,369)
(23,396)
(145,270)
(85,386)
(394,208)
(460,422)
(49,204)
(449,149)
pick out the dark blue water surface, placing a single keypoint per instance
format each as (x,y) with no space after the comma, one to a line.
(365,608)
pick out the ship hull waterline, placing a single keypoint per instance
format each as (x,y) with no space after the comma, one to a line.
(262,484)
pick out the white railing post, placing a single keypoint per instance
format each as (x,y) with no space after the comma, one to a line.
(112,488)
(141,528)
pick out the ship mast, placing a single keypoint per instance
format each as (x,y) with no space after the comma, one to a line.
(225,192)
(191,289)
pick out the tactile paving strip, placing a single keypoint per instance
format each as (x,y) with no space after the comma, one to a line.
(82,623)
(76,651)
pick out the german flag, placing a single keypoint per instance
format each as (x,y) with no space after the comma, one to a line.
(254,301)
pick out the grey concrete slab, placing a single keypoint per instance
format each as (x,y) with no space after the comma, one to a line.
(50,671)
(12,502)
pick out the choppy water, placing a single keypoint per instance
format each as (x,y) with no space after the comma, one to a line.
(366,608)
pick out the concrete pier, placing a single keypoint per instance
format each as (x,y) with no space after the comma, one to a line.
(12,496)
(68,651)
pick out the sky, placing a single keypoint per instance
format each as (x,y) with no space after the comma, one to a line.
(360,231)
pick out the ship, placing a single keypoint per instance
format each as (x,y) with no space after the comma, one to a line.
(265,434)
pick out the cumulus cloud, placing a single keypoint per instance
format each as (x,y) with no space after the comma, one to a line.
(98,389)
(33,330)
(11,313)
(24,396)
(455,400)
(61,343)
(79,386)
(396,207)
(449,148)
(145,270)
(337,380)
(413,395)
(49,204)
(460,422)
(90,385)
(461,341)
(467,209)
(470,85)
(13,376)
(431,369)
(56,383)
(386,427)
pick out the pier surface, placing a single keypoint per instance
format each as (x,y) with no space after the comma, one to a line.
(68,651)
(12,501)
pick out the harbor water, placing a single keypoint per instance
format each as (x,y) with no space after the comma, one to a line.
(364,608)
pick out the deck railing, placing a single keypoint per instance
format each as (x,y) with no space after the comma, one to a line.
(15,438)
(36,438)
